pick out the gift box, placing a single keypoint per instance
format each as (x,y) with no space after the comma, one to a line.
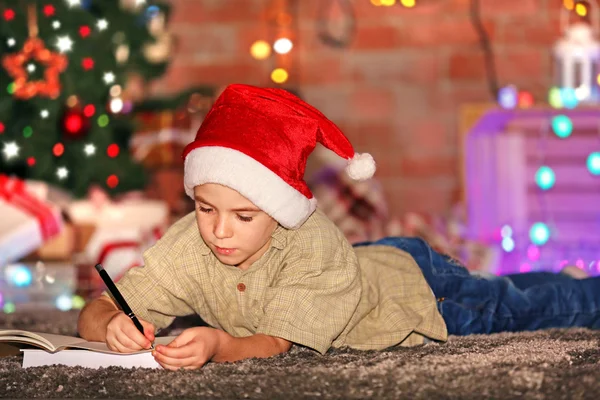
(115,235)
(27,221)
(161,137)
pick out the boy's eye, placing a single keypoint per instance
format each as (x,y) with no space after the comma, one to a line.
(244,219)
(204,209)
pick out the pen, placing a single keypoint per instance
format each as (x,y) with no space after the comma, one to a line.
(119,299)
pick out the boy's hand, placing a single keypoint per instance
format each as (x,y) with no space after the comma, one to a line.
(193,348)
(124,337)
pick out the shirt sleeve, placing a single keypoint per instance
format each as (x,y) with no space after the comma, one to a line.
(316,292)
(154,291)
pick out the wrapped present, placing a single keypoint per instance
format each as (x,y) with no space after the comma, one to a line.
(116,235)
(160,137)
(27,221)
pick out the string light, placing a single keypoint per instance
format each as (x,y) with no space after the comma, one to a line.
(545,178)
(89,149)
(115,91)
(64,44)
(27,132)
(283,46)
(508,97)
(388,3)
(31,161)
(112,181)
(87,63)
(84,31)
(1,128)
(103,120)
(56,25)
(62,173)
(279,75)
(554,98)
(116,105)
(10,42)
(580,9)
(58,149)
(10,150)
(568,97)
(89,110)
(525,99)
(44,114)
(112,150)
(108,77)
(539,233)
(260,50)
(569,4)
(408,3)
(593,163)
(102,24)
(562,126)
(49,10)
(64,302)
(9,14)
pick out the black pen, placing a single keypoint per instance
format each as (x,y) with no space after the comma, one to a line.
(119,299)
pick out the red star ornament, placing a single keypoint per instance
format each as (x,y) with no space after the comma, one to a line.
(34,49)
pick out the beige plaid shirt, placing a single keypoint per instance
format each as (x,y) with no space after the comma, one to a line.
(307,288)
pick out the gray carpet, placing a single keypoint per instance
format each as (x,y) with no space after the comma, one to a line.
(553,364)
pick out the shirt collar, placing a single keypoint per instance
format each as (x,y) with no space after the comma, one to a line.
(279,237)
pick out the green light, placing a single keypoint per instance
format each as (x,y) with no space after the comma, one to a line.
(545,178)
(554,98)
(27,132)
(10,88)
(539,233)
(103,120)
(9,308)
(78,302)
(562,126)
(593,163)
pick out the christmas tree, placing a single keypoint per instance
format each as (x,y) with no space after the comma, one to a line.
(65,117)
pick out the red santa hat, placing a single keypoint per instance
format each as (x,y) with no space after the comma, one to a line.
(256,141)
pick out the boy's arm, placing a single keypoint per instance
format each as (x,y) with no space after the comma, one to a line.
(196,346)
(238,348)
(94,318)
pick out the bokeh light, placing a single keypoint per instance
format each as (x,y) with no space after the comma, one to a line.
(562,126)
(545,177)
(539,233)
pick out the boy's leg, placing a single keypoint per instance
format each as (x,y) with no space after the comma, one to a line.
(528,279)
(477,305)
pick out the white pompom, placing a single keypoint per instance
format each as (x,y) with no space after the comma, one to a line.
(361,167)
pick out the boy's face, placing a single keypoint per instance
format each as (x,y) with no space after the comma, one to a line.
(237,232)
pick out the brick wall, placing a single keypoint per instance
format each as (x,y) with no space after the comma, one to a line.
(396,91)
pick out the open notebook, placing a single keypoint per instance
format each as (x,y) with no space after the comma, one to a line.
(73,351)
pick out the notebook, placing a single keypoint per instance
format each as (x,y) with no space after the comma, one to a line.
(51,349)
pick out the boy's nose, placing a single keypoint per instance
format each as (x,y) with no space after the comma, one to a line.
(222,229)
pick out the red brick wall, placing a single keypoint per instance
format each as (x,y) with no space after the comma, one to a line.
(396,90)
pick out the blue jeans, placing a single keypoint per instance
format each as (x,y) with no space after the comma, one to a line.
(471,304)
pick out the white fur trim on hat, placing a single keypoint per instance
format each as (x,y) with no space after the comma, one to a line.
(238,171)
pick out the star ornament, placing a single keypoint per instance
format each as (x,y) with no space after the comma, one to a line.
(16,66)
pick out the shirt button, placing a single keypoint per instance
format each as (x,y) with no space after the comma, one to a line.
(241,287)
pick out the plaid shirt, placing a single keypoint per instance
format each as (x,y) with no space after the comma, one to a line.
(307,288)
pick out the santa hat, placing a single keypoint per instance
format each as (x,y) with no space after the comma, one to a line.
(256,141)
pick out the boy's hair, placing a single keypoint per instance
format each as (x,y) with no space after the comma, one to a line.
(256,141)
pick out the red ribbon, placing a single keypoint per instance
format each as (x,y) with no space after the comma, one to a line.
(13,191)
(114,246)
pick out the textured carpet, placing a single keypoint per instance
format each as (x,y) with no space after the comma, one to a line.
(552,364)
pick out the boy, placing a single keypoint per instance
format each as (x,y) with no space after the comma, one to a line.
(262,266)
